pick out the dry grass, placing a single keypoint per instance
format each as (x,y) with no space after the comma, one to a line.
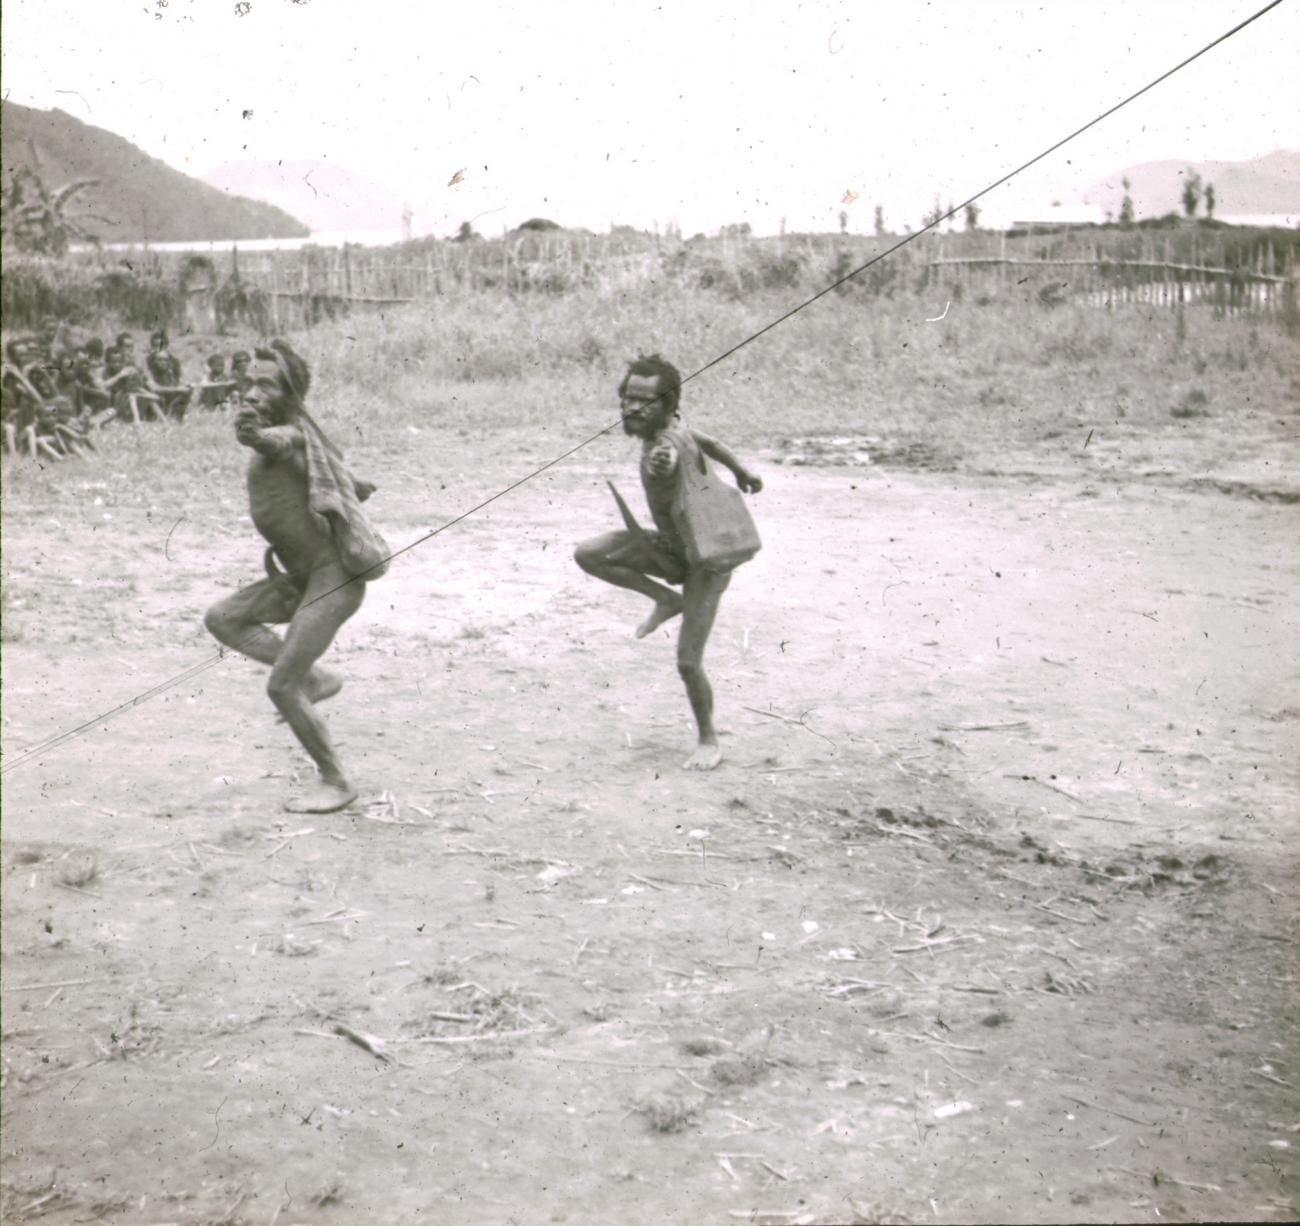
(667,1112)
(403,390)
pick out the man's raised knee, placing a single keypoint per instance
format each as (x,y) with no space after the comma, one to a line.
(588,557)
(214,621)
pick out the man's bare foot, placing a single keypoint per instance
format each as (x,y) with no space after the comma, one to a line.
(322,798)
(705,758)
(663,612)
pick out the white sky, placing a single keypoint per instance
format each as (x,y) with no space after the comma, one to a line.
(698,112)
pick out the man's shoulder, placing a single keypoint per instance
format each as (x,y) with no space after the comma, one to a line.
(675,434)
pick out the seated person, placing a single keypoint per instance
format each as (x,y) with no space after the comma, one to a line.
(215,390)
(32,410)
(65,378)
(165,376)
(128,385)
(19,356)
(89,395)
(48,342)
(66,430)
(19,400)
(241,371)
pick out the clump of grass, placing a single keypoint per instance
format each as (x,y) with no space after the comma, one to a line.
(441,977)
(702,1046)
(1192,405)
(667,1112)
(330,1194)
(137,1038)
(993,1020)
(739,1070)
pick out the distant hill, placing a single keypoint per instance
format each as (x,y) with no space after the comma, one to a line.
(1264,186)
(327,197)
(137,197)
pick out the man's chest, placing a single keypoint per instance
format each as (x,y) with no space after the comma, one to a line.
(660,461)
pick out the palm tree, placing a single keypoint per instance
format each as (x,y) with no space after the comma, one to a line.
(36,220)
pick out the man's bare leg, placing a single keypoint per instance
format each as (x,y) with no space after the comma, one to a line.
(701,595)
(594,558)
(238,622)
(327,603)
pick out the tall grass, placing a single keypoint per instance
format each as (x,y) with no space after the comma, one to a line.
(852,362)
(500,384)
(78,293)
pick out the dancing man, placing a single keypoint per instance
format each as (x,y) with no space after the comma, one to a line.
(649,561)
(321,554)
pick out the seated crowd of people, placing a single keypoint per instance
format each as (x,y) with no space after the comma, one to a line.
(55,393)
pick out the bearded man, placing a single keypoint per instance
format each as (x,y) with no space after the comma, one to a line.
(650,561)
(322,552)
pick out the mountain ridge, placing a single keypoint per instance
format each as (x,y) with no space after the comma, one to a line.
(326,197)
(1262,186)
(137,197)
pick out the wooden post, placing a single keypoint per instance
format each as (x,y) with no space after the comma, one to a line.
(275,290)
(305,288)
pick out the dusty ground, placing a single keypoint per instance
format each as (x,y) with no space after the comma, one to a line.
(990,914)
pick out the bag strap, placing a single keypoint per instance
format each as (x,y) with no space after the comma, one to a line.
(687,443)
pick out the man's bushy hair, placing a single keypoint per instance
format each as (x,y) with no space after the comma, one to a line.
(293,369)
(652,367)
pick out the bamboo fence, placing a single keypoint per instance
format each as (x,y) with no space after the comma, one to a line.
(1230,271)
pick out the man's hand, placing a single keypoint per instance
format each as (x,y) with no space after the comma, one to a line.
(749,482)
(662,458)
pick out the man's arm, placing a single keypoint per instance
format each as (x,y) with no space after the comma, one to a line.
(747,480)
(23,383)
(274,442)
(125,373)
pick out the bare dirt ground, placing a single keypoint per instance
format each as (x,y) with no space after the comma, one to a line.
(989,915)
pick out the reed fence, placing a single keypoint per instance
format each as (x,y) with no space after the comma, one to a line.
(1230,271)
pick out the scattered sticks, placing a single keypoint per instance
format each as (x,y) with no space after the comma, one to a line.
(1012,726)
(41,987)
(483,1038)
(931,946)
(926,1038)
(1083,1102)
(366,1042)
(1074,919)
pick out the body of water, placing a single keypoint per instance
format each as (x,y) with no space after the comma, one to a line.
(360,238)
